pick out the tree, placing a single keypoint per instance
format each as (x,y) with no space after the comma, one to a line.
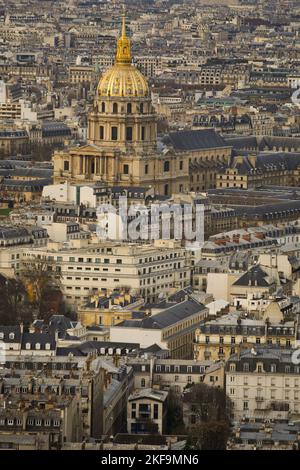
(14,303)
(212,435)
(209,403)
(174,419)
(210,408)
(42,279)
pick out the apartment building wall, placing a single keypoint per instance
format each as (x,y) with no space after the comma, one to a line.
(252,394)
(219,284)
(147,270)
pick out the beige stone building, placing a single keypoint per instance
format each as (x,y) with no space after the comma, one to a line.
(219,339)
(175,374)
(81,74)
(149,271)
(109,311)
(262,384)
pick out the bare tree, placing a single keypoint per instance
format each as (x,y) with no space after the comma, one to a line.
(212,435)
(14,302)
(210,403)
(211,407)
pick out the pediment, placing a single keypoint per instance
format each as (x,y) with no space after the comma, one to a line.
(87,149)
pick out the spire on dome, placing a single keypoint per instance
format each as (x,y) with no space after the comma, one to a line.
(124,45)
(124,23)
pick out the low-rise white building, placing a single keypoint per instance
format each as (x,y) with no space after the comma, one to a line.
(146,412)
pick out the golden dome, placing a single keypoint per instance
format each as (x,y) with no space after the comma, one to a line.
(123,79)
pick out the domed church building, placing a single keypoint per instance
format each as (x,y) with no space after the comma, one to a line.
(122,147)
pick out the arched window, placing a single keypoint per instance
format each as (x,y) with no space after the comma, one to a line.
(129,108)
(103,107)
(115,108)
(101,132)
(142,108)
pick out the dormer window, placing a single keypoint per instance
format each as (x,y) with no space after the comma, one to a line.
(11,336)
(27,346)
(47,346)
(1,335)
(37,346)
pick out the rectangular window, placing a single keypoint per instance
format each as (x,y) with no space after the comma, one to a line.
(143,133)
(126,169)
(129,133)
(114,133)
(101,132)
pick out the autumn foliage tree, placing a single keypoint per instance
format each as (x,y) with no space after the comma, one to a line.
(42,279)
